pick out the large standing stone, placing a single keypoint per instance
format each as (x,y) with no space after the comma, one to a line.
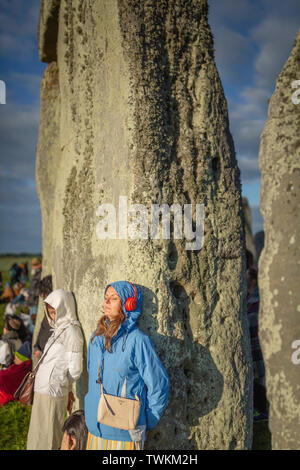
(279,263)
(143,115)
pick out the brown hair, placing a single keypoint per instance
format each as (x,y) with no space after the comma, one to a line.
(75,426)
(45,286)
(108,328)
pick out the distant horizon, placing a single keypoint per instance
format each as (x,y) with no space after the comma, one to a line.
(20,254)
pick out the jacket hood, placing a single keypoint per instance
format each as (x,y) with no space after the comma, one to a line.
(64,304)
(126,290)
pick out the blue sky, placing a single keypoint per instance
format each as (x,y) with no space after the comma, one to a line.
(253,39)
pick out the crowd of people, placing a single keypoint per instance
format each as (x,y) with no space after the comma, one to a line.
(260,405)
(19,321)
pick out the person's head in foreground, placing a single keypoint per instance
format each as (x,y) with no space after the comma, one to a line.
(75,432)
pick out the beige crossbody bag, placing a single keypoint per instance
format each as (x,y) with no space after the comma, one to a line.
(118,412)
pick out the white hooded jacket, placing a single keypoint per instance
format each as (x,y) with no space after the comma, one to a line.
(62,364)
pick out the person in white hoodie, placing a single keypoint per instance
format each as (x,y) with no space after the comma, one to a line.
(60,366)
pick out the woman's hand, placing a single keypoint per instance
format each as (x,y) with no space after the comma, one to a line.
(71,400)
(37,353)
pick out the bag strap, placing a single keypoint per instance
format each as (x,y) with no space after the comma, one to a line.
(98,381)
(45,353)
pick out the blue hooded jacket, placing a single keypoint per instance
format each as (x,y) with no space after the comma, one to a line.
(133,357)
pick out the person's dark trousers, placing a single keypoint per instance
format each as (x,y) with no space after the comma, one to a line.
(260,397)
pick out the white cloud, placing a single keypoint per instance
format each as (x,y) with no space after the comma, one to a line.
(252,42)
(275,38)
(233,54)
(18,136)
(19,26)
(232,12)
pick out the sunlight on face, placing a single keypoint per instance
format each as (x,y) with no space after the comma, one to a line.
(51,312)
(112,304)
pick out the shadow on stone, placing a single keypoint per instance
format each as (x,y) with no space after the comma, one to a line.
(196,384)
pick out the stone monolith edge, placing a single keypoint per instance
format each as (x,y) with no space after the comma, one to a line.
(250,245)
(132,106)
(279,262)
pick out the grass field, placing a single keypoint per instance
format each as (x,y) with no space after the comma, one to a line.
(14,417)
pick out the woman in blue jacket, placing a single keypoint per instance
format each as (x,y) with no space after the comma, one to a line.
(128,366)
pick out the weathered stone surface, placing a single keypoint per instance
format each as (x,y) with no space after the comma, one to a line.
(279,263)
(142,114)
(47,162)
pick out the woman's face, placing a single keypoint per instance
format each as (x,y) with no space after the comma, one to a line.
(112,304)
(51,312)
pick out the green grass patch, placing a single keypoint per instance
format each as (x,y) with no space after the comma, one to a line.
(14,419)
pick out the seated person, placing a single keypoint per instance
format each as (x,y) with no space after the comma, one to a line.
(8,293)
(33,290)
(19,293)
(17,288)
(14,273)
(11,378)
(14,334)
(10,340)
(10,309)
(75,432)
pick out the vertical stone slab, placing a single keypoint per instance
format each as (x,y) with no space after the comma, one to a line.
(279,262)
(144,121)
(48,157)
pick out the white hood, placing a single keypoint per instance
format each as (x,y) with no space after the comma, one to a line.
(64,304)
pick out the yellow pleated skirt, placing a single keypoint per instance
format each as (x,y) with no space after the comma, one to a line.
(98,443)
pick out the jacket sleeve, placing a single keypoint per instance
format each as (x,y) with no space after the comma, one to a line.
(74,346)
(155,378)
(75,365)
